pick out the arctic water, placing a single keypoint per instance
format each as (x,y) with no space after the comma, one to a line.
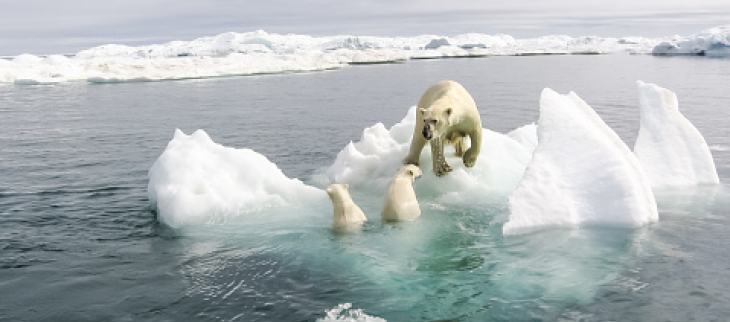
(80,240)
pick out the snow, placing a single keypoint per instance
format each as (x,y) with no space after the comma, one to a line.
(710,42)
(370,164)
(671,150)
(259,52)
(196,180)
(580,174)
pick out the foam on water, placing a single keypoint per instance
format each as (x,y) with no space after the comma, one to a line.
(345,313)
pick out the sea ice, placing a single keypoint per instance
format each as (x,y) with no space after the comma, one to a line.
(581,173)
(671,150)
(258,52)
(709,42)
(196,180)
(371,163)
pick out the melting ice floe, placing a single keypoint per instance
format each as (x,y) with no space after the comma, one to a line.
(570,169)
(672,150)
(370,164)
(196,179)
(581,173)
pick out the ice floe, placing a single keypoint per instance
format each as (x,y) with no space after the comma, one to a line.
(580,174)
(709,42)
(568,170)
(196,180)
(672,152)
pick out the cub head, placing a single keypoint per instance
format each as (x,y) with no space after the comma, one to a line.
(410,171)
(336,191)
(435,119)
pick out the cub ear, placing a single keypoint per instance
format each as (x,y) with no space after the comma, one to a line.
(448,111)
(422,111)
(346,186)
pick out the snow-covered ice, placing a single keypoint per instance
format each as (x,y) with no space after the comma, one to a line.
(671,150)
(568,170)
(197,180)
(581,173)
(709,42)
(370,164)
(259,52)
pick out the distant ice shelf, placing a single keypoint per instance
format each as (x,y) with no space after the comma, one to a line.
(259,52)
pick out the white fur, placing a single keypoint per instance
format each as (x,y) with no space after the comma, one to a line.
(400,198)
(448,112)
(346,212)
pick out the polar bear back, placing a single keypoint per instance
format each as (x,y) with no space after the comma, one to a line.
(345,211)
(400,201)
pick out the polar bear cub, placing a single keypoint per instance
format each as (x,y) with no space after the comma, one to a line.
(345,212)
(400,198)
(446,115)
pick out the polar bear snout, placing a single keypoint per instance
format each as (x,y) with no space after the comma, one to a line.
(429,127)
(426,133)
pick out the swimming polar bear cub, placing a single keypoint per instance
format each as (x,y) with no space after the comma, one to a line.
(346,212)
(446,115)
(400,198)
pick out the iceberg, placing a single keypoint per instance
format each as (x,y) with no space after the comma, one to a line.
(581,173)
(709,42)
(671,150)
(196,180)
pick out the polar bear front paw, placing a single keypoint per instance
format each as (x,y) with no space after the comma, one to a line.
(470,158)
(442,168)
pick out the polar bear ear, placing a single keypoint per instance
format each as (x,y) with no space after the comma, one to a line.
(346,186)
(422,110)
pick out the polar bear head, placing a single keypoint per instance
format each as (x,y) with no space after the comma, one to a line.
(435,120)
(410,171)
(338,192)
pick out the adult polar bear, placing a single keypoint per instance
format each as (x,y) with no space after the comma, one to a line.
(446,115)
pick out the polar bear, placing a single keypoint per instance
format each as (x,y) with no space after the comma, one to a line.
(400,198)
(346,212)
(446,115)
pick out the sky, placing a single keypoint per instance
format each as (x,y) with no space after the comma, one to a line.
(54,27)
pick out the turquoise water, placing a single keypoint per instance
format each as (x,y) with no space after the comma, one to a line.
(80,241)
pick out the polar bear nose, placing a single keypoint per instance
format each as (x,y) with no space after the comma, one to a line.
(426,133)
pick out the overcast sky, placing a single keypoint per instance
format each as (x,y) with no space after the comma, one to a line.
(53,26)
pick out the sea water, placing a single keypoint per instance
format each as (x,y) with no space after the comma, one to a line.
(81,242)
